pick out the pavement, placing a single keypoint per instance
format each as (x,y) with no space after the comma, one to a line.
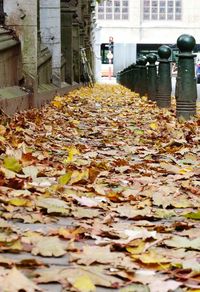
(107,80)
(113,138)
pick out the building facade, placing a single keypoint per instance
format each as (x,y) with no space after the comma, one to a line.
(142,25)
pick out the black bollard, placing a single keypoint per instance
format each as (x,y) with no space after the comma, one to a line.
(129,68)
(152,76)
(122,78)
(126,77)
(118,77)
(130,76)
(142,61)
(186,88)
(164,83)
(137,76)
(132,81)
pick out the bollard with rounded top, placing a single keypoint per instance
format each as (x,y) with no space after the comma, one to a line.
(127,77)
(129,71)
(142,61)
(186,88)
(123,77)
(164,83)
(152,76)
(137,76)
(134,73)
(118,77)
(132,77)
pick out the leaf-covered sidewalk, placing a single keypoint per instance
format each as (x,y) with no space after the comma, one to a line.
(99,190)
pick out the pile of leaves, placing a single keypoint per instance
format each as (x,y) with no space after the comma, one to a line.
(100,189)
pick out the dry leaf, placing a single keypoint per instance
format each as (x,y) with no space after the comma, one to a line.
(48,247)
(13,280)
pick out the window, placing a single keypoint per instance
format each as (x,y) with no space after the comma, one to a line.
(113,10)
(162,9)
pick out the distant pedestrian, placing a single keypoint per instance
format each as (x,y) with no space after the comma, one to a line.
(198,72)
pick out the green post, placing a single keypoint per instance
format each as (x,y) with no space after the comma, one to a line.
(118,77)
(132,76)
(164,84)
(123,79)
(152,76)
(186,88)
(137,76)
(128,77)
(143,76)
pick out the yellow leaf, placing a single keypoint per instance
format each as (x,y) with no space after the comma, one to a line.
(185,170)
(144,98)
(64,232)
(84,284)
(76,122)
(2,130)
(19,129)
(57,102)
(136,250)
(138,132)
(64,179)
(12,164)
(152,257)
(2,139)
(16,246)
(71,152)
(154,126)
(78,176)
(19,202)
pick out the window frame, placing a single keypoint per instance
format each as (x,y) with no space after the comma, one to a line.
(109,10)
(162,10)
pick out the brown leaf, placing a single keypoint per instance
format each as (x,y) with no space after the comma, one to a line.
(102,255)
(13,280)
(48,247)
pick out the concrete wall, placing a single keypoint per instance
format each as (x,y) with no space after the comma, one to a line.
(22,18)
(50,27)
(10,59)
